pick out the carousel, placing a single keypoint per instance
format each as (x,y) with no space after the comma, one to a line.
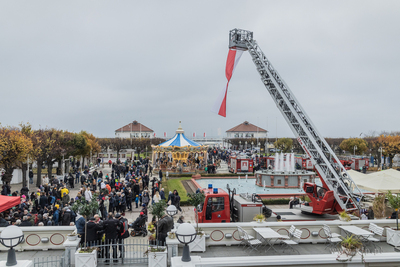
(179,154)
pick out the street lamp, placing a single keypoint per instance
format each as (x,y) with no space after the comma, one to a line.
(10,237)
(186,234)
(240,145)
(355,147)
(172,211)
(245,145)
(381,149)
(252,144)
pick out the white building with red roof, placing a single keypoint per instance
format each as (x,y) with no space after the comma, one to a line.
(134,130)
(246,130)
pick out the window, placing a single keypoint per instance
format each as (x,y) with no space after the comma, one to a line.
(279,182)
(217,204)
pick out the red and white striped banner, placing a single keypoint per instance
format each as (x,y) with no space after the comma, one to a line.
(231,63)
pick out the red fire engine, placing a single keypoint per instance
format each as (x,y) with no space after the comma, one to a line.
(220,206)
(240,164)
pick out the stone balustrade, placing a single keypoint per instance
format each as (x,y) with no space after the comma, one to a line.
(227,234)
(42,237)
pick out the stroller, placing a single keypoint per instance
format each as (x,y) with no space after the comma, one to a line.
(139,226)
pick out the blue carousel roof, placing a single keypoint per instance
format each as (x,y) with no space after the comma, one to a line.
(179,140)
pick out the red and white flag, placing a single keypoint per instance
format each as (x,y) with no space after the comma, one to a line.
(231,63)
(204,135)
(194,134)
(165,134)
(154,134)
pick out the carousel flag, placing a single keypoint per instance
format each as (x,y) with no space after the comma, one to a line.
(165,134)
(231,63)
(194,134)
(204,135)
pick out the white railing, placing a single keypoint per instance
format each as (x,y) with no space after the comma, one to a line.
(226,233)
(42,237)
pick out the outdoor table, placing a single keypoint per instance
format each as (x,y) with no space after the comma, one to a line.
(359,233)
(268,235)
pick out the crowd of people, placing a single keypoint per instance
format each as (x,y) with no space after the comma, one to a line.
(127,188)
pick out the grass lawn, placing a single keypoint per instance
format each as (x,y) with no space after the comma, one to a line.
(175,183)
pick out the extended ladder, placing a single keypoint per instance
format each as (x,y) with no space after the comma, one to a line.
(331,171)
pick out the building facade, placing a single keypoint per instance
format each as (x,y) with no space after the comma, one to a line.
(246,130)
(134,130)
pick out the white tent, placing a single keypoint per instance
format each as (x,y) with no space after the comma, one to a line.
(356,176)
(379,182)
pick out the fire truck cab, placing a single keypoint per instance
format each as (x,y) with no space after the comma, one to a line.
(220,206)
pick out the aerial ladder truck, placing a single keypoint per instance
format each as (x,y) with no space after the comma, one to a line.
(338,192)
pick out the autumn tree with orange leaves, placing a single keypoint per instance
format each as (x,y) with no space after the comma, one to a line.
(390,145)
(14,149)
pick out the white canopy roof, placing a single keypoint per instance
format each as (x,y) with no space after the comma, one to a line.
(378,182)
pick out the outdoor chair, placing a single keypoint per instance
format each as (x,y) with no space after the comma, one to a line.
(331,241)
(247,240)
(371,240)
(291,232)
(332,234)
(243,236)
(293,241)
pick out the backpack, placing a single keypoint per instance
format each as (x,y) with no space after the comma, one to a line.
(53,199)
(124,230)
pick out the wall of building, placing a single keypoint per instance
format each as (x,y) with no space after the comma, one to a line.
(246,134)
(134,134)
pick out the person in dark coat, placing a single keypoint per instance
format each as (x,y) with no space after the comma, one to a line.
(25,191)
(160,175)
(3,222)
(66,217)
(25,222)
(80,228)
(91,229)
(43,201)
(111,228)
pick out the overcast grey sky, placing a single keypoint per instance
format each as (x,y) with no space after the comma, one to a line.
(98,65)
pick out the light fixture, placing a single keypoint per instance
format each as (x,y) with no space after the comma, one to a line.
(186,234)
(10,237)
(172,210)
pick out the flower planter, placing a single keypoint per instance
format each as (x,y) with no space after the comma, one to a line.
(86,259)
(350,252)
(72,237)
(344,219)
(199,244)
(393,237)
(157,259)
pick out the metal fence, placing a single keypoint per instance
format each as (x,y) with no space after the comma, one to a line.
(125,251)
(53,261)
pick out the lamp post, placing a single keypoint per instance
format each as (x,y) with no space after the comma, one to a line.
(252,144)
(380,149)
(186,234)
(10,237)
(266,148)
(172,211)
(240,145)
(355,147)
(245,144)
